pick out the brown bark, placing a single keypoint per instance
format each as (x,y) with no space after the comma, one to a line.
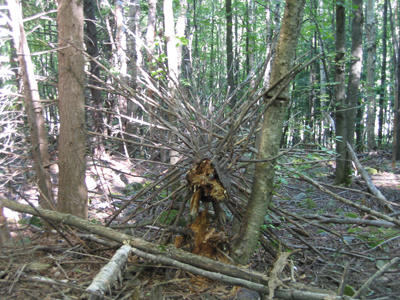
(370,31)
(382,95)
(72,193)
(341,177)
(33,107)
(93,51)
(271,132)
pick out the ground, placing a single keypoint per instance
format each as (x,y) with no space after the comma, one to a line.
(73,260)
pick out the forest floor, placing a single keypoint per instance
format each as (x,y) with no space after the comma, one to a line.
(71,265)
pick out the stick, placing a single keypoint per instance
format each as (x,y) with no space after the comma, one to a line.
(382,200)
(376,275)
(109,274)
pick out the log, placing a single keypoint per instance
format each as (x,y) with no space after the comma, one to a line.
(169,255)
(110,274)
(382,200)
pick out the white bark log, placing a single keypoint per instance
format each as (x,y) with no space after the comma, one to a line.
(110,273)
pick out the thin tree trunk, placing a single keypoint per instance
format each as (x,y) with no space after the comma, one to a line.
(133,64)
(271,132)
(150,35)
(229,48)
(93,51)
(340,97)
(172,57)
(72,192)
(351,102)
(353,86)
(371,48)
(383,75)
(34,110)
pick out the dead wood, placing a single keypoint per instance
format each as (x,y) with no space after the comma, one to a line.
(109,275)
(170,251)
(355,221)
(382,200)
(365,286)
(358,206)
(169,255)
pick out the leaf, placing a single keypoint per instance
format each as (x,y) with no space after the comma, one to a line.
(351,215)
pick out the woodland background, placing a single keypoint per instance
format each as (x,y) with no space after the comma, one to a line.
(184,123)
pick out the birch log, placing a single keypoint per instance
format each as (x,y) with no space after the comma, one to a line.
(109,274)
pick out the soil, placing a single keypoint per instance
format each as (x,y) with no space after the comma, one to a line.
(72,261)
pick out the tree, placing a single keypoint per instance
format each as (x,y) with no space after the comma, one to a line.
(229,49)
(370,31)
(93,51)
(382,95)
(346,105)
(271,132)
(33,108)
(72,191)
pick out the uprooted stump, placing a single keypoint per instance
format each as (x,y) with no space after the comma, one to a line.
(203,240)
(204,181)
(206,186)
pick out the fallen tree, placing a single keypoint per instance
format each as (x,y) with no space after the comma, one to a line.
(169,255)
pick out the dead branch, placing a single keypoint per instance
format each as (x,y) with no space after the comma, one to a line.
(376,275)
(354,221)
(169,255)
(109,274)
(382,200)
(358,206)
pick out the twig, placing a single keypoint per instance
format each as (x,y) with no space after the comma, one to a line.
(376,275)
(382,200)
(344,279)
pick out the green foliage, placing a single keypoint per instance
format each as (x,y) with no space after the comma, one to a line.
(351,215)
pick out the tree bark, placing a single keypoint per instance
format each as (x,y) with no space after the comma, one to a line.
(133,64)
(383,91)
(33,107)
(229,49)
(340,97)
(93,50)
(371,48)
(271,132)
(353,93)
(72,192)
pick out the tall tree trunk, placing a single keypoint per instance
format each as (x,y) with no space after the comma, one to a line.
(340,97)
(180,33)
(371,48)
(172,58)
(34,109)
(383,75)
(396,129)
(229,49)
(343,165)
(133,64)
(150,36)
(72,191)
(271,132)
(353,86)
(93,50)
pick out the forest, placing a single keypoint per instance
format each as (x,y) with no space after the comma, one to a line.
(200,149)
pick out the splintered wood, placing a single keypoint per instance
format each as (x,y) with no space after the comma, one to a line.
(206,186)
(204,182)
